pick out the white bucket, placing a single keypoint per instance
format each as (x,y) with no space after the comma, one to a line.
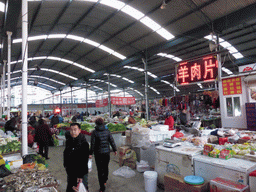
(150,178)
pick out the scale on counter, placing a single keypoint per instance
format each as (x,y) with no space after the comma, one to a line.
(171,143)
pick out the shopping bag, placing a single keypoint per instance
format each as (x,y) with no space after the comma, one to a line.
(80,187)
(90,165)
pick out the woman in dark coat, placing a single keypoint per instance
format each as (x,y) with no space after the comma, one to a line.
(43,138)
(101,139)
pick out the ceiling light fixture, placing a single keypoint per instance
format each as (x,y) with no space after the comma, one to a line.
(164,4)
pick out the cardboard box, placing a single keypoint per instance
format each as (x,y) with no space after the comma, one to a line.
(122,150)
(220,184)
(176,183)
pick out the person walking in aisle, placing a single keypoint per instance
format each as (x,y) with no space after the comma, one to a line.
(54,120)
(101,139)
(76,155)
(43,138)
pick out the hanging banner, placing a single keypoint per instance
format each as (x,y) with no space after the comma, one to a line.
(123,100)
(245,68)
(102,102)
(84,105)
(232,86)
(205,69)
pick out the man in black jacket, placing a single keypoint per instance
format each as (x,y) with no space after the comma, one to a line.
(101,139)
(76,155)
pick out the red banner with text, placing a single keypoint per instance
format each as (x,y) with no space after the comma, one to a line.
(232,86)
(123,100)
(102,102)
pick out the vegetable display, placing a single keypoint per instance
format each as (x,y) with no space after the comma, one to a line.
(8,145)
(87,127)
(116,127)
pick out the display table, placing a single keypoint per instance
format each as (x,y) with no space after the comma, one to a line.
(209,122)
(178,160)
(233,169)
(148,155)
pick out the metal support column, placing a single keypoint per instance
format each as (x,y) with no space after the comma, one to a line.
(146,87)
(109,96)
(9,34)
(24,76)
(1,100)
(219,78)
(87,112)
(71,100)
(124,96)
(4,70)
(60,103)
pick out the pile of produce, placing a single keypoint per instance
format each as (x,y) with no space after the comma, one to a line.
(87,127)
(116,127)
(26,178)
(62,125)
(9,145)
(55,140)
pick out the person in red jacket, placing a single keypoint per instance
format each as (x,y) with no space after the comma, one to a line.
(169,121)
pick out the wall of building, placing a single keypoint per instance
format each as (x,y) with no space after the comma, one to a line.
(235,121)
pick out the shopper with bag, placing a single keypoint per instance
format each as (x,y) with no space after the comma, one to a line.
(43,138)
(76,155)
(101,139)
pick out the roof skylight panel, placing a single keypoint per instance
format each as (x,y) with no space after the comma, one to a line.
(16,40)
(130,81)
(76,38)
(93,43)
(154,90)
(165,34)
(232,49)
(55,36)
(39,37)
(104,48)
(177,59)
(225,44)
(162,54)
(113,3)
(2,7)
(150,23)
(132,12)
(39,58)
(119,55)
(238,55)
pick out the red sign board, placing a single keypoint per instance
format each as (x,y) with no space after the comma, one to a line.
(123,100)
(232,86)
(102,102)
(84,105)
(205,69)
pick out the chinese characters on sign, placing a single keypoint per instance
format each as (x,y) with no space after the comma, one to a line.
(232,86)
(205,69)
(116,101)
(123,100)
(102,103)
(251,116)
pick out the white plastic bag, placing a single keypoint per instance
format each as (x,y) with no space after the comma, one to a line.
(81,187)
(90,165)
(125,172)
(34,145)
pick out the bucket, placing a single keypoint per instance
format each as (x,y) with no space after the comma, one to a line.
(150,178)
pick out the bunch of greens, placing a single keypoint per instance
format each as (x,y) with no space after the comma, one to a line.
(12,146)
(116,127)
(87,127)
(55,140)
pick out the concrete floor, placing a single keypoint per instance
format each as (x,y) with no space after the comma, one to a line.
(114,184)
